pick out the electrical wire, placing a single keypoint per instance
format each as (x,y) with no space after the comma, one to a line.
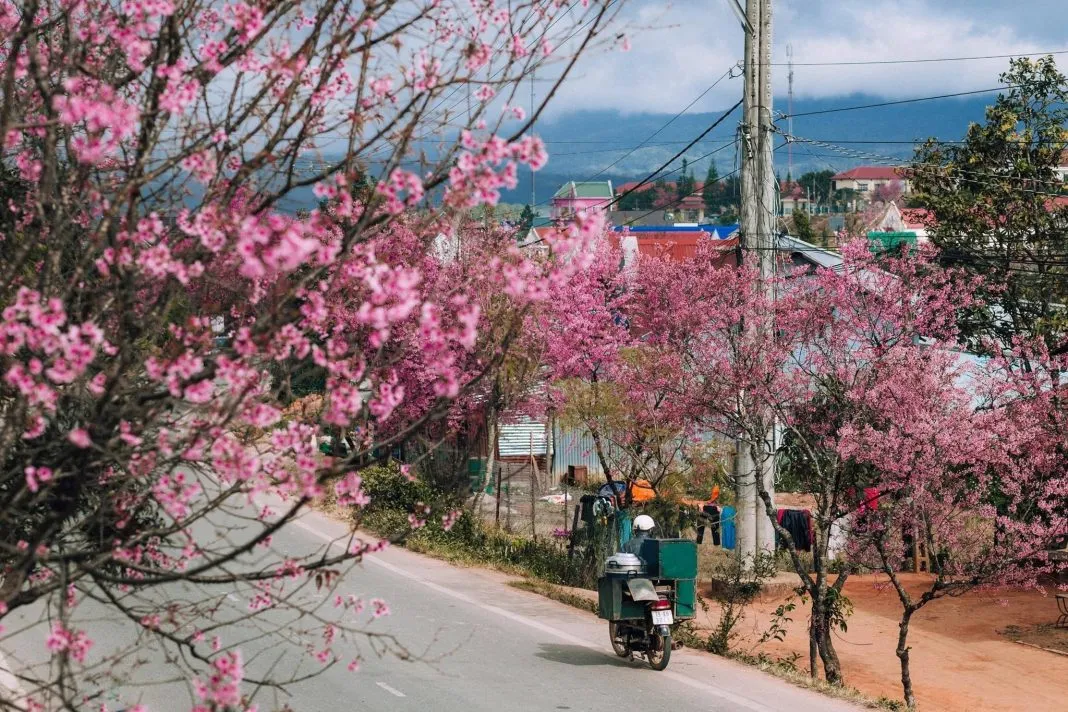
(667,163)
(820,112)
(670,121)
(917,61)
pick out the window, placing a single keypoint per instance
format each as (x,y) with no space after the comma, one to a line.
(862,187)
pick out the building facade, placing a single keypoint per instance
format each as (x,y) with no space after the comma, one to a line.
(576,197)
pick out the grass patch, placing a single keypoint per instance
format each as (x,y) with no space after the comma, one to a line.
(787,670)
(556,593)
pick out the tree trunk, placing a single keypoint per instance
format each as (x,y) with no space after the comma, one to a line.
(903,656)
(820,629)
(491,448)
(813,647)
(832,666)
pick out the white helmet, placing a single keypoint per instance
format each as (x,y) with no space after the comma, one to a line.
(644,523)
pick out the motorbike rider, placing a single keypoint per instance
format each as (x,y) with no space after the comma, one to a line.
(643,527)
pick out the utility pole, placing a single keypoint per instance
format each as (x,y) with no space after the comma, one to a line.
(533,195)
(754,455)
(790,113)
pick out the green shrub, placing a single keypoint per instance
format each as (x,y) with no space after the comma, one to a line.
(389,490)
(393,497)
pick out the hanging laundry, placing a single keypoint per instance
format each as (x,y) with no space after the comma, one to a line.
(727,526)
(709,518)
(795,521)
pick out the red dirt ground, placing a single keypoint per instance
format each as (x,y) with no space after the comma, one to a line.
(960,661)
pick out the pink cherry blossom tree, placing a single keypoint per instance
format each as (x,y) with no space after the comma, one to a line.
(153,155)
(858,356)
(969,458)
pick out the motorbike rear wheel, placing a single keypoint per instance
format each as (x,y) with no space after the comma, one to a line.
(621,649)
(660,654)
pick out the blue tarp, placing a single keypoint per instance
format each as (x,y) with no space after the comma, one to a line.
(720,232)
(726,519)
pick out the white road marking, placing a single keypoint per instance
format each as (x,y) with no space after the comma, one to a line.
(536,625)
(391,690)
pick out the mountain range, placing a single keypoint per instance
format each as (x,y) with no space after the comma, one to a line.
(588,145)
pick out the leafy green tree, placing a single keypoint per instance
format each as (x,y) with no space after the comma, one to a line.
(803,226)
(818,185)
(686,183)
(526,221)
(638,200)
(712,192)
(993,199)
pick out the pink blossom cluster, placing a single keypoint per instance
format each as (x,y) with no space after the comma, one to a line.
(350,492)
(483,168)
(69,642)
(222,689)
(97,108)
(403,190)
(43,353)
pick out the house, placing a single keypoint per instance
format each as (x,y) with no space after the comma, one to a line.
(894,225)
(893,219)
(792,196)
(679,242)
(688,208)
(864,181)
(581,196)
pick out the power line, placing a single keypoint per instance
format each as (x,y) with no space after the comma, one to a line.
(919,61)
(900,101)
(667,163)
(668,123)
(897,162)
(691,193)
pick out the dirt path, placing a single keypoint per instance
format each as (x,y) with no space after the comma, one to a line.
(959,660)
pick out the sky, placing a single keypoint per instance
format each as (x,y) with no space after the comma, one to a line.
(679,49)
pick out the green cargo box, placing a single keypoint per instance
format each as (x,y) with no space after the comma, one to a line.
(685,598)
(614,604)
(611,604)
(670,558)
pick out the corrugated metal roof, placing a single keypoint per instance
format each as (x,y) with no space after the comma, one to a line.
(585,189)
(809,252)
(523,437)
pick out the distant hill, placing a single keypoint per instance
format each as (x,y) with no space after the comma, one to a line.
(582,144)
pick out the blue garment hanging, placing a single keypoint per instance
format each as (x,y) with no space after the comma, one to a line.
(625,529)
(726,519)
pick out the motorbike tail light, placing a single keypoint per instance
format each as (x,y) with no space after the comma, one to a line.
(661,605)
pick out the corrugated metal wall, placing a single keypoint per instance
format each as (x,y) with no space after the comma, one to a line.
(576,447)
(518,439)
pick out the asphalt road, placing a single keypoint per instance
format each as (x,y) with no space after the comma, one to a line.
(477,645)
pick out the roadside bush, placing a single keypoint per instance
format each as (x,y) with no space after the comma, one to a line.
(736,587)
(393,498)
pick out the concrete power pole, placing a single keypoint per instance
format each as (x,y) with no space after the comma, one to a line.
(755,534)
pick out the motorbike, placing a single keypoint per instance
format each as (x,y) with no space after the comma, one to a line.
(651,637)
(641,609)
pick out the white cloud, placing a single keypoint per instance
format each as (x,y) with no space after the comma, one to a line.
(698,40)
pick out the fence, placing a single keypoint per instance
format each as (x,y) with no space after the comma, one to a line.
(519,498)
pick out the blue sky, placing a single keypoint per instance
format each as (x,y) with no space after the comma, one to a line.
(678,49)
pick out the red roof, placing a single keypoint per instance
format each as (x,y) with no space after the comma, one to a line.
(681,246)
(872,173)
(791,189)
